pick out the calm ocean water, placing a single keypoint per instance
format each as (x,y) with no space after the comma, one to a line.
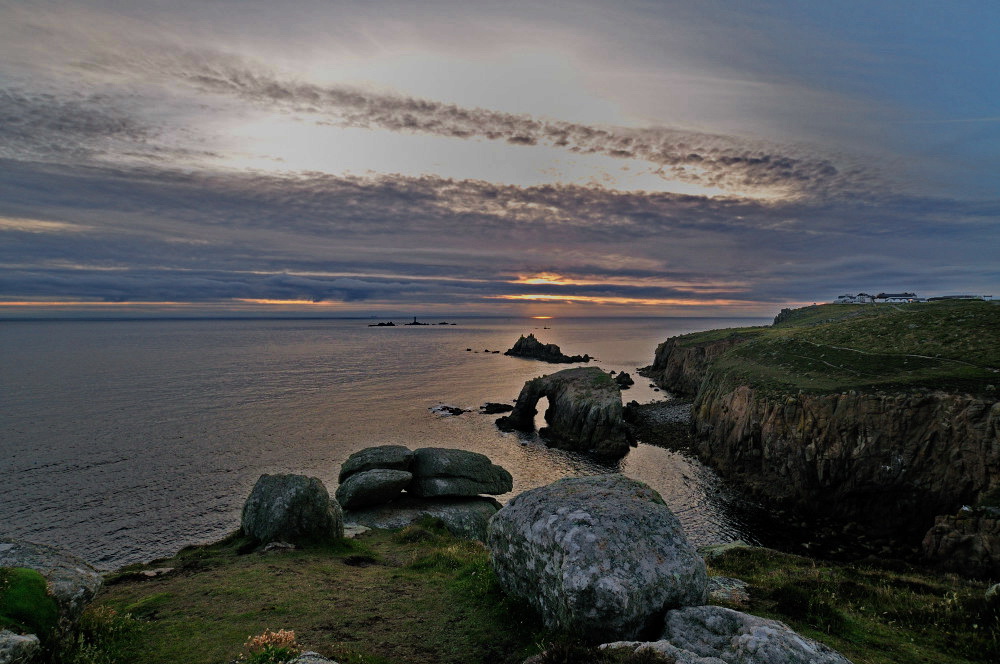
(126,440)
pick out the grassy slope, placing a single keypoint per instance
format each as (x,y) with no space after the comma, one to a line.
(420,599)
(827,348)
(382,598)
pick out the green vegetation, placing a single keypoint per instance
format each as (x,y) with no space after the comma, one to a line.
(872,615)
(419,595)
(25,606)
(951,345)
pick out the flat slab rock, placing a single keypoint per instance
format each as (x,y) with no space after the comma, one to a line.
(387,457)
(464,517)
(443,471)
(601,556)
(716,635)
(372,487)
(71,581)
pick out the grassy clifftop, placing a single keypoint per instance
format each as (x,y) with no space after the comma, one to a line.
(951,345)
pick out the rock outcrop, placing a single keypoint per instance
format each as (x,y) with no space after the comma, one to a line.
(716,635)
(967,542)
(441,471)
(387,457)
(71,582)
(866,457)
(531,348)
(293,509)
(624,381)
(463,517)
(442,483)
(601,557)
(584,413)
(372,487)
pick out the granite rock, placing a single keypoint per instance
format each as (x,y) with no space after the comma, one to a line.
(439,471)
(291,508)
(389,457)
(372,487)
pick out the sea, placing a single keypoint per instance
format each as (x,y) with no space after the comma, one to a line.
(126,440)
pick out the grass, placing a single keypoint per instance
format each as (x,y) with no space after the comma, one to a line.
(25,606)
(415,596)
(871,614)
(951,346)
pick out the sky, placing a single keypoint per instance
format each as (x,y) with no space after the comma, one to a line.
(435,158)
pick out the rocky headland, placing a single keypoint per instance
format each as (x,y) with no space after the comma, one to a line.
(584,412)
(863,415)
(531,348)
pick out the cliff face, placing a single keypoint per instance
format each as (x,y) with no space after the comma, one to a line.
(680,368)
(867,457)
(584,413)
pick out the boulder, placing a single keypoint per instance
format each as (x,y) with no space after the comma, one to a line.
(584,414)
(372,487)
(71,582)
(310,657)
(390,457)
(624,381)
(17,648)
(439,471)
(739,638)
(493,408)
(599,556)
(291,508)
(464,517)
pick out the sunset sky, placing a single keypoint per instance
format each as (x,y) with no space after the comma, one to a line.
(432,158)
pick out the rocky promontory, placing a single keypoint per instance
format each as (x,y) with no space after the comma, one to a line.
(584,413)
(885,416)
(531,348)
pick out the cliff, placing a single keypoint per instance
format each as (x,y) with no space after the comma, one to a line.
(584,413)
(884,416)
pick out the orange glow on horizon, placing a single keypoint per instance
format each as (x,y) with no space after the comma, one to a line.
(554,279)
(248,300)
(541,317)
(597,299)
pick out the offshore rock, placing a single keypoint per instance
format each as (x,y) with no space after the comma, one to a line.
(599,556)
(71,582)
(18,648)
(531,348)
(968,542)
(440,471)
(372,487)
(624,381)
(390,457)
(291,508)
(584,413)
(463,517)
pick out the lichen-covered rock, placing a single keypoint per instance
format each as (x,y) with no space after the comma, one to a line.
(740,638)
(599,556)
(372,487)
(584,413)
(310,657)
(665,648)
(291,508)
(71,582)
(463,517)
(389,457)
(439,471)
(17,648)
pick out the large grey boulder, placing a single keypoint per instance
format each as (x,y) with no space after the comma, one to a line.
(71,582)
(463,517)
(600,556)
(716,633)
(389,457)
(439,471)
(310,657)
(372,487)
(291,508)
(17,648)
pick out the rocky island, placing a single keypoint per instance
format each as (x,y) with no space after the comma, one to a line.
(531,348)
(882,416)
(584,413)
